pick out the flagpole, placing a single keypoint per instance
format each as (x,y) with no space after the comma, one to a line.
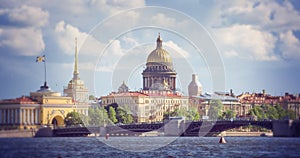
(45,71)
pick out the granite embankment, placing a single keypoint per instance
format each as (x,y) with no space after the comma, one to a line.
(17,133)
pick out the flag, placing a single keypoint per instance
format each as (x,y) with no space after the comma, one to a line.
(40,59)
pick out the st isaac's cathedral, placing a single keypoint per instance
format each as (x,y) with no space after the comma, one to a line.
(159,93)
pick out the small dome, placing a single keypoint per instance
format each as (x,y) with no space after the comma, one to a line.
(159,55)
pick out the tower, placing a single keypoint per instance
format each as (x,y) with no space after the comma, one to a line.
(159,73)
(76,88)
(195,87)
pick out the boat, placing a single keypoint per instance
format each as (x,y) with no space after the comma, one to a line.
(222,140)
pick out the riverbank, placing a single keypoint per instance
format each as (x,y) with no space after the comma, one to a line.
(245,134)
(17,133)
(30,133)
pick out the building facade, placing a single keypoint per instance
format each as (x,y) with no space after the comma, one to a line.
(147,106)
(43,107)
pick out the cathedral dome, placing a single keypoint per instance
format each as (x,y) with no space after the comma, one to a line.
(159,55)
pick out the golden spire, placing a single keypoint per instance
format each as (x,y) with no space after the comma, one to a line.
(159,41)
(75,74)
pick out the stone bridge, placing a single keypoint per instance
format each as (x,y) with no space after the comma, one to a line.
(200,128)
(280,128)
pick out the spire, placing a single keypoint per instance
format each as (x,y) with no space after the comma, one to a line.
(76,73)
(159,41)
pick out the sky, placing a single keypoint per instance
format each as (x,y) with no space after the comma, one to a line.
(246,46)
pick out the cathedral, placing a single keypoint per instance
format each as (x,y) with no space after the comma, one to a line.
(159,73)
(158,94)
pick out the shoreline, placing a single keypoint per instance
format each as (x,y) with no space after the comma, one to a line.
(31,134)
(17,133)
(246,134)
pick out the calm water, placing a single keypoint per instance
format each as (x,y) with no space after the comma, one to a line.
(181,147)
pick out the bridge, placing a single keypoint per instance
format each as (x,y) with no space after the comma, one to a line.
(185,128)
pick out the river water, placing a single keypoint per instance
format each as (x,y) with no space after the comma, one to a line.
(149,147)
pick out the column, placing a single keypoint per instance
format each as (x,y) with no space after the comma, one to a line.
(12,116)
(0,116)
(144,82)
(16,116)
(4,116)
(28,116)
(36,116)
(8,116)
(32,116)
(24,116)
(21,116)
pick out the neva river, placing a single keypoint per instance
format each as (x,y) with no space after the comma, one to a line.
(149,147)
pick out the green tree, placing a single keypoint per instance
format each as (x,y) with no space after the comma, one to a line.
(98,116)
(258,112)
(193,114)
(282,113)
(215,110)
(190,114)
(271,112)
(73,118)
(121,115)
(112,115)
(129,119)
(92,97)
(228,114)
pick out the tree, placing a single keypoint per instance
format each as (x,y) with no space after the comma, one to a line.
(91,97)
(271,112)
(190,114)
(97,116)
(282,113)
(73,118)
(129,119)
(193,114)
(258,112)
(112,115)
(228,114)
(121,115)
(215,110)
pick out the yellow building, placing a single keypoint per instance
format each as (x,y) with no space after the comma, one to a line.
(43,107)
(147,106)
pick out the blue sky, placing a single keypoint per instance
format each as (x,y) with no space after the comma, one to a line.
(257,42)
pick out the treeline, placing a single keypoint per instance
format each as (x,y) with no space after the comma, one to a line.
(112,114)
(190,114)
(270,112)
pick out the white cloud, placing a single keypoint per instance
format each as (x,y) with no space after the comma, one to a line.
(28,15)
(110,7)
(22,35)
(22,41)
(253,28)
(267,14)
(289,45)
(66,34)
(247,42)
(162,19)
(180,52)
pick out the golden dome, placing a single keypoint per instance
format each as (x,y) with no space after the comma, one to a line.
(159,55)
